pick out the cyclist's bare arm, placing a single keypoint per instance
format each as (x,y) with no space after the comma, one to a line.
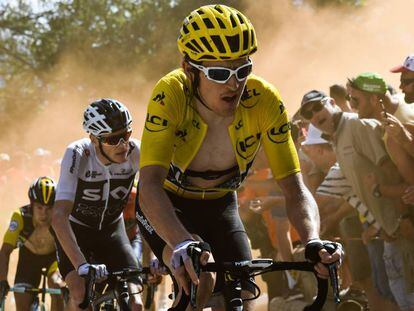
(300,206)
(5,251)
(64,232)
(157,206)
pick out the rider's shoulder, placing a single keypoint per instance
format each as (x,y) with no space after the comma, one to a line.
(174,83)
(80,146)
(17,218)
(259,87)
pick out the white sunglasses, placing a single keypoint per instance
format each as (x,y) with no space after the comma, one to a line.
(222,74)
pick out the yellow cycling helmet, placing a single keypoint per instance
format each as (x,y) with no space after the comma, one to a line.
(216,32)
(43,191)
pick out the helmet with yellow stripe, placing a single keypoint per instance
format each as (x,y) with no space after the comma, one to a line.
(215,33)
(43,191)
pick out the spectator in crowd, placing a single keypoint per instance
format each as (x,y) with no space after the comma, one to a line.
(360,150)
(407,78)
(341,208)
(339,93)
(374,101)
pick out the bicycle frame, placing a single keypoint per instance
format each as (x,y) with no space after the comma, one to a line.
(35,291)
(37,303)
(118,293)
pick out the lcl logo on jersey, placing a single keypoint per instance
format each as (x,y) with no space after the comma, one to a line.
(248,94)
(279,135)
(119,193)
(155,123)
(247,147)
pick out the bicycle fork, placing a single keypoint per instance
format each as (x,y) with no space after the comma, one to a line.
(232,294)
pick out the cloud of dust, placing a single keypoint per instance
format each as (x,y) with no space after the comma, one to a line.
(301,48)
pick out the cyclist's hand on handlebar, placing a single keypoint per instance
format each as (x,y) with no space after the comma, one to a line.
(101,271)
(182,264)
(157,268)
(323,253)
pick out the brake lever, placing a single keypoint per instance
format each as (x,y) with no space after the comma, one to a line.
(333,276)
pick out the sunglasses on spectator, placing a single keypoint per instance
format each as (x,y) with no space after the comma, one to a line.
(222,74)
(115,140)
(406,81)
(316,107)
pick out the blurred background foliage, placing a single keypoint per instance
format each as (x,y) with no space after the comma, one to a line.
(104,34)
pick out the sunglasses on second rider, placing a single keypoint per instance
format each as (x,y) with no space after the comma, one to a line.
(115,140)
(222,74)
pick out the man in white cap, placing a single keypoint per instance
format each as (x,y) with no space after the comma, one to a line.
(407,78)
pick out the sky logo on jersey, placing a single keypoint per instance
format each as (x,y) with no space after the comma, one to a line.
(279,135)
(246,148)
(155,123)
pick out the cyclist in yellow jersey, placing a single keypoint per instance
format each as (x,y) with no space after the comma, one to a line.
(204,126)
(29,231)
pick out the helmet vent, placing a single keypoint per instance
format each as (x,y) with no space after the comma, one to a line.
(220,22)
(206,44)
(233,21)
(185,29)
(191,47)
(240,19)
(194,42)
(195,26)
(201,12)
(208,23)
(218,9)
(218,43)
(253,38)
(245,39)
(234,42)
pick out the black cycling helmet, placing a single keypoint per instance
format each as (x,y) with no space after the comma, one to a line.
(106,116)
(43,191)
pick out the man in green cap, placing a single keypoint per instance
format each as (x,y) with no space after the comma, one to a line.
(369,96)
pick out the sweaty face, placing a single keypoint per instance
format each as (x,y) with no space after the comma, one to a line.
(224,98)
(116,152)
(407,85)
(42,213)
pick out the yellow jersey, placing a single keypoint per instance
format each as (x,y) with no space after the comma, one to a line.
(174,132)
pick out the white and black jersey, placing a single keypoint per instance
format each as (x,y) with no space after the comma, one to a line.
(99,192)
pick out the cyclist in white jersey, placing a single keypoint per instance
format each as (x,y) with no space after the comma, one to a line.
(97,174)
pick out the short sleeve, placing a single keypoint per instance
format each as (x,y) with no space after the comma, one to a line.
(157,143)
(13,231)
(68,180)
(276,137)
